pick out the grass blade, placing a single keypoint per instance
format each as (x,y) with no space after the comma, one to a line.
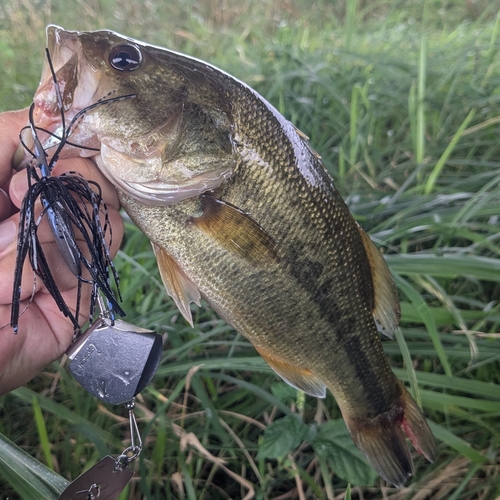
(42,433)
(449,265)
(92,430)
(420,132)
(427,318)
(412,378)
(29,477)
(458,444)
(436,171)
(474,387)
(347,495)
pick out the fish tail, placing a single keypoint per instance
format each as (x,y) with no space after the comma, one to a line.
(382,439)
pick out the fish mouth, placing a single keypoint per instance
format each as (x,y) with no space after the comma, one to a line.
(53,130)
(50,131)
(67,87)
(58,91)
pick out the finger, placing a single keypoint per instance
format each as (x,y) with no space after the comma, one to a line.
(11,124)
(89,170)
(65,279)
(5,205)
(85,167)
(42,337)
(17,188)
(8,236)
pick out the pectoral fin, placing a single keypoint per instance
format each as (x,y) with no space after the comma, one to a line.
(177,284)
(235,230)
(386,310)
(300,378)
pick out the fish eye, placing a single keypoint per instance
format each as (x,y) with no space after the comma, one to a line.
(125,57)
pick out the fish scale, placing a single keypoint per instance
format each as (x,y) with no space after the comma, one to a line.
(241,212)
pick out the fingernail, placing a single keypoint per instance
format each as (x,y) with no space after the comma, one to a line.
(8,233)
(5,205)
(18,162)
(18,187)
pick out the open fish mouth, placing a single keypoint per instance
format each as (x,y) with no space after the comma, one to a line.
(66,84)
(51,132)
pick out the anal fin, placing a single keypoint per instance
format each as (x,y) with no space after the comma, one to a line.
(177,284)
(416,428)
(300,378)
(386,310)
(235,230)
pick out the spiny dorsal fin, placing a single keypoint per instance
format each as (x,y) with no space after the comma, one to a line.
(300,378)
(304,136)
(306,142)
(177,284)
(386,310)
(235,230)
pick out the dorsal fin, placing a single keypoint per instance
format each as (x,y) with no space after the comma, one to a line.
(386,309)
(235,230)
(177,284)
(300,378)
(306,142)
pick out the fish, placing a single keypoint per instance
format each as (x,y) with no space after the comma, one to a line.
(241,212)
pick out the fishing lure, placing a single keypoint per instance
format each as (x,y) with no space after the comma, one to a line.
(69,202)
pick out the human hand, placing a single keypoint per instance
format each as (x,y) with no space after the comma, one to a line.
(44,332)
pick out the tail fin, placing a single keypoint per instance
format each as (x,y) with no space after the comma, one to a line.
(382,439)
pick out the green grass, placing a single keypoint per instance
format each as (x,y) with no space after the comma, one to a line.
(401,100)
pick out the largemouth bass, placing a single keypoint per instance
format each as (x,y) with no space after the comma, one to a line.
(241,212)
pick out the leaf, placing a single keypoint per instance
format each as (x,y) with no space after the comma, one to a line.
(282,436)
(334,444)
(29,477)
(284,392)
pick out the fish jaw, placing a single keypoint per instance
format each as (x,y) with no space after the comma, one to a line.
(79,86)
